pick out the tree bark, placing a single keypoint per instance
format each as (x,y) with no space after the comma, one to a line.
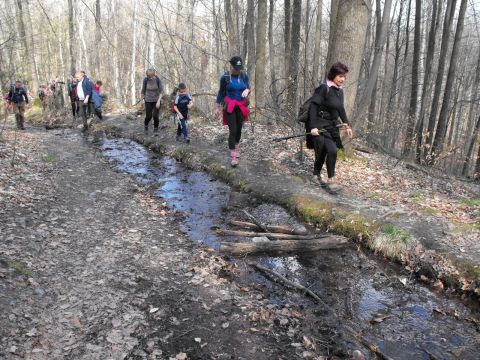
(282,247)
(98,36)
(271,55)
(435,22)
(412,109)
(24,41)
(349,39)
(250,32)
(381,35)
(70,37)
(232,36)
(287,36)
(133,94)
(283,229)
(442,124)
(293,68)
(449,13)
(260,54)
(317,47)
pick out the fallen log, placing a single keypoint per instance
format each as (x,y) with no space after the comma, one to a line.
(277,236)
(282,247)
(255,221)
(287,282)
(281,229)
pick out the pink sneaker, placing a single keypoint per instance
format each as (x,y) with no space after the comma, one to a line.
(233,158)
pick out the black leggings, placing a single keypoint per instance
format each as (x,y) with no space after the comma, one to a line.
(151,110)
(235,123)
(325,148)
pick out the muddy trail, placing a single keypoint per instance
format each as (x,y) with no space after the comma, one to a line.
(378,302)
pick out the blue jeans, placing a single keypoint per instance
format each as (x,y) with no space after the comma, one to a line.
(182,128)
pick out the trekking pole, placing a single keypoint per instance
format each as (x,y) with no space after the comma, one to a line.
(290,137)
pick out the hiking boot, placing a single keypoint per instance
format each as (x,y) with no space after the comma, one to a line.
(155,132)
(237,149)
(233,158)
(187,140)
(178,138)
(85,128)
(331,187)
(146,130)
(322,183)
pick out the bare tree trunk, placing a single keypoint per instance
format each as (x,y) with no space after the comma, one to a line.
(250,32)
(295,49)
(81,34)
(318,42)
(134,51)
(271,55)
(260,55)
(350,30)
(436,12)
(381,35)
(32,46)
(70,37)
(412,109)
(449,13)
(476,129)
(232,36)
(333,25)
(438,142)
(23,39)
(98,36)
(287,36)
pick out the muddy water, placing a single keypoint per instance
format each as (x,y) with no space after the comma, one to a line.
(378,301)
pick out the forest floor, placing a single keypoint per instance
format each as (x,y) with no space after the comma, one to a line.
(94,265)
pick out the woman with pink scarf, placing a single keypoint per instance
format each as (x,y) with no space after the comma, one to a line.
(232,98)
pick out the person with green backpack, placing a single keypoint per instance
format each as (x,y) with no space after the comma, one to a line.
(326,115)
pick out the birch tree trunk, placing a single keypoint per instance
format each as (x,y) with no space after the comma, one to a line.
(134,51)
(436,12)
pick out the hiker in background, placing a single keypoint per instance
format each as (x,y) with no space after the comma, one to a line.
(183,103)
(232,98)
(97,86)
(18,97)
(83,91)
(326,116)
(152,90)
(72,84)
(42,95)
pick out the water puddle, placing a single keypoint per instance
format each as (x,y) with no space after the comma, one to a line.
(405,322)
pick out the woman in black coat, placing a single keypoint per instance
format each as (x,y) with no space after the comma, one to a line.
(326,116)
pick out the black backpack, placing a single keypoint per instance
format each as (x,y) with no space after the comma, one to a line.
(304,111)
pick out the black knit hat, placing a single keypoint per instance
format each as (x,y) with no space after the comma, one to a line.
(236,62)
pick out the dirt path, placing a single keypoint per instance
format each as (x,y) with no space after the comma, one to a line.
(91,269)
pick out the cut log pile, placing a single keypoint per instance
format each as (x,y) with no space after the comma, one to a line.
(284,239)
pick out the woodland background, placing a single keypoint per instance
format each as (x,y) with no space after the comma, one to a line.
(412,90)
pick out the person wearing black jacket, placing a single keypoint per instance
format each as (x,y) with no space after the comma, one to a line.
(18,97)
(326,116)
